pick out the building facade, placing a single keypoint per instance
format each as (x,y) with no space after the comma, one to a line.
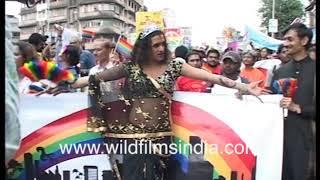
(107,17)
(311,13)
(14,22)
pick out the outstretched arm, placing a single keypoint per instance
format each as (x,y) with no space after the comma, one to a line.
(113,73)
(80,82)
(201,74)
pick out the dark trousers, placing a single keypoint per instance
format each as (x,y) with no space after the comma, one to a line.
(297,148)
(141,166)
(144,167)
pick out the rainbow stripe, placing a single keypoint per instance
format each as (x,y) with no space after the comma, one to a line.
(124,48)
(37,70)
(192,121)
(67,130)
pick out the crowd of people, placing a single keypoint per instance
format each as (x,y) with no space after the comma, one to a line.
(148,80)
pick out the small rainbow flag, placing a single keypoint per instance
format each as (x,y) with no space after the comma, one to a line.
(285,86)
(124,48)
(87,35)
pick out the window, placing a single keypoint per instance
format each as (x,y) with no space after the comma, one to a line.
(93,23)
(92,8)
(107,7)
(27,17)
(73,2)
(58,12)
(107,22)
(117,9)
(28,30)
(117,23)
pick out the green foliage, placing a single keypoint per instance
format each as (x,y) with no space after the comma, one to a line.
(285,11)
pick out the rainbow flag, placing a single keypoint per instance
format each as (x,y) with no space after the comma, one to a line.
(71,129)
(87,35)
(285,86)
(124,48)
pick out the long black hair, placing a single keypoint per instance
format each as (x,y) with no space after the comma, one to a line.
(142,48)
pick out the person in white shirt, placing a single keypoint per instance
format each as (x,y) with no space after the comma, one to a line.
(230,69)
(103,50)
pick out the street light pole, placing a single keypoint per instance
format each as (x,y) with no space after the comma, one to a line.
(273,8)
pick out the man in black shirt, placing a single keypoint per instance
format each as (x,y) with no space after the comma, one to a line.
(300,104)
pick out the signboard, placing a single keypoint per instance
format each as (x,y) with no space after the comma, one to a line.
(186,33)
(174,38)
(273,25)
(53,126)
(145,18)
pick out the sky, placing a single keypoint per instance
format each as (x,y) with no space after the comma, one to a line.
(206,17)
(209,17)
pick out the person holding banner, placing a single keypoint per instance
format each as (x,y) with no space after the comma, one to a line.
(142,111)
(296,81)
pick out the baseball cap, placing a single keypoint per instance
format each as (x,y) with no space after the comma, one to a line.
(234,56)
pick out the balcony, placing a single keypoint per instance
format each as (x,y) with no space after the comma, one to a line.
(102,1)
(58,19)
(28,23)
(28,10)
(99,15)
(58,4)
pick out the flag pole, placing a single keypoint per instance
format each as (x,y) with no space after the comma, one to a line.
(117,43)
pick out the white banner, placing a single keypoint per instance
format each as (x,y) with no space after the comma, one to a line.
(48,121)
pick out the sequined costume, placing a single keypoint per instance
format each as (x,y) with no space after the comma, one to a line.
(141,112)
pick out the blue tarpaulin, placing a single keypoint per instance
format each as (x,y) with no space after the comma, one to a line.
(260,40)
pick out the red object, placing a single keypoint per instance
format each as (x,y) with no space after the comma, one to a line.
(213,70)
(188,84)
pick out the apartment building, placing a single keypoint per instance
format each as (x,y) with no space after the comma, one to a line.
(107,17)
(14,22)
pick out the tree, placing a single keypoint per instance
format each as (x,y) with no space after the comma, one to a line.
(285,11)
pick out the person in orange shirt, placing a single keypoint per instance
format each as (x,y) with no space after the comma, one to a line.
(213,62)
(251,73)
